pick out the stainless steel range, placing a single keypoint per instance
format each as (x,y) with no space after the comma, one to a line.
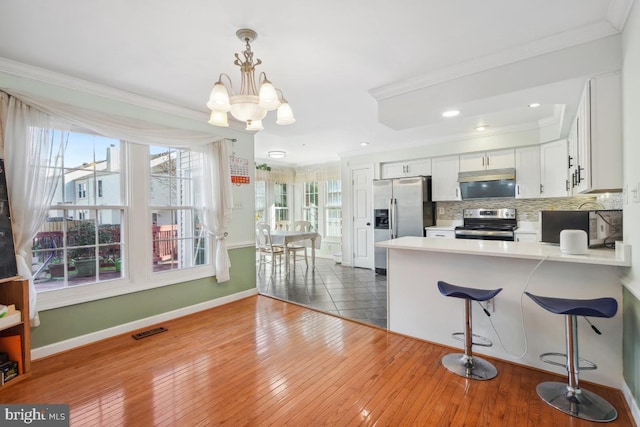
(488,224)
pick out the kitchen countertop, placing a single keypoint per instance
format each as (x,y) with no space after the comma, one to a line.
(524,250)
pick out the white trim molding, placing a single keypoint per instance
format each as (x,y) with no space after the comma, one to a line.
(71,343)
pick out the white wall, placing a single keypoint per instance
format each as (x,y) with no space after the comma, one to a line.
(631,140)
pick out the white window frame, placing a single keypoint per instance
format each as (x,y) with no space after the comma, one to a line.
(135,237)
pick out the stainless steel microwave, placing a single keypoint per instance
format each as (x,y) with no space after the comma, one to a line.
(603,227)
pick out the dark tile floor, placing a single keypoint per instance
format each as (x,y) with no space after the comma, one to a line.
(354,293)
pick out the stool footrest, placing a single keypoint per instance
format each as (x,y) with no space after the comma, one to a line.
(482,341)
(589,366)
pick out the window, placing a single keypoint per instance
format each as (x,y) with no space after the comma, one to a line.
(310,204)
(333,209)
(93,236)
(178,238)
(80,241)
(82,190)
(261,201)
(281,206)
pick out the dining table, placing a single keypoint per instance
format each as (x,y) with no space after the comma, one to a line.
(285,237)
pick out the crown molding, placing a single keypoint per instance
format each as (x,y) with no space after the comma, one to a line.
(549,44)
(42,75)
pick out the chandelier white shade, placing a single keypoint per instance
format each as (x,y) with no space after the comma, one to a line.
(249,105)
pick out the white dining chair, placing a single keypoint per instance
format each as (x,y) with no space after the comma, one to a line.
(294,248)
(266,248)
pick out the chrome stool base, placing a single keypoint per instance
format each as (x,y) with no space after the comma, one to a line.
(473,368)
(578,403)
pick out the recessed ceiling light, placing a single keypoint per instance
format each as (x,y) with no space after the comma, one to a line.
(364,144)
(481,128)
(534,105)
(277,154)
(451,113)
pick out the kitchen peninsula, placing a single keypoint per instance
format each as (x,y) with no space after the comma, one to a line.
(416,308)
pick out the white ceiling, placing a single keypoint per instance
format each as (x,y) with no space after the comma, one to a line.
(340,64)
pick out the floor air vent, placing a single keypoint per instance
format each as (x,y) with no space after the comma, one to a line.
(148,333)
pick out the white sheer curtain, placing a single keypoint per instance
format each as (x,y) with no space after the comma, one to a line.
(217,204)
(29,145)
(217,201)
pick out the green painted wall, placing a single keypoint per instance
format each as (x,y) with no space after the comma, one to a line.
(76,320)
(631,342)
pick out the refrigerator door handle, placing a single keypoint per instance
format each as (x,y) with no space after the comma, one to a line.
(394,225)
(391,219)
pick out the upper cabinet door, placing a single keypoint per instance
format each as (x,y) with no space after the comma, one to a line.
(554,170)
(498,159)
(528,172)
(472,162)
(421,167)
(599,126)
(444,181)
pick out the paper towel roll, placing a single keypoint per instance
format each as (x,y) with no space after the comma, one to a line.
(573,242)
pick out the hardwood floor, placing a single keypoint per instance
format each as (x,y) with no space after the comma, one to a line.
(261,361)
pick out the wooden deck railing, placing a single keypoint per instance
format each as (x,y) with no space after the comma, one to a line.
(163,238)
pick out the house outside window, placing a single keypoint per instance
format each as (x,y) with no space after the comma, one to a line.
(81,251)
(178,238)
(80,240)
(82,190)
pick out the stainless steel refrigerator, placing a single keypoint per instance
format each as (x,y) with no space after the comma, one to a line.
(401,207)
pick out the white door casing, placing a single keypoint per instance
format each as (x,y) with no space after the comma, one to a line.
(362,208)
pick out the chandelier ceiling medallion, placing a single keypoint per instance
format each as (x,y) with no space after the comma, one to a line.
(249,105)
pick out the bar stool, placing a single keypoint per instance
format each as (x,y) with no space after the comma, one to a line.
(569,397)
(467,365)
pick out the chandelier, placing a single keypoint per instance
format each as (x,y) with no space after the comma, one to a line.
(249,105)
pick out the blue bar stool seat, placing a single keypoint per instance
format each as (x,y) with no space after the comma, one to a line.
(467,365)
(569,397)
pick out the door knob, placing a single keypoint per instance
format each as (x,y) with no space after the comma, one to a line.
(368,223)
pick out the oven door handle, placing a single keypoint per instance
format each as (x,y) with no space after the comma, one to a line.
(494,233)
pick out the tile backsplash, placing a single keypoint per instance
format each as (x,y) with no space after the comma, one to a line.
(527,209)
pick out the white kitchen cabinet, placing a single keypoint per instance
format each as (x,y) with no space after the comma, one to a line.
(554,170)
(421,167)
(497,159)
(599,136)
(443,234)
(444,178)
(528,172)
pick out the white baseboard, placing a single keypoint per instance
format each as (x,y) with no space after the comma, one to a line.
(633,405)
(48,350)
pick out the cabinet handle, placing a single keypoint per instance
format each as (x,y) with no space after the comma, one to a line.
(541,188)
(566,185)
(518,189)
(580,177)
(573,179)
(570,164)
(456,192)
(482,161)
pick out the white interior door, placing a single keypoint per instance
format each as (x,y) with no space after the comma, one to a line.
(362,182)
